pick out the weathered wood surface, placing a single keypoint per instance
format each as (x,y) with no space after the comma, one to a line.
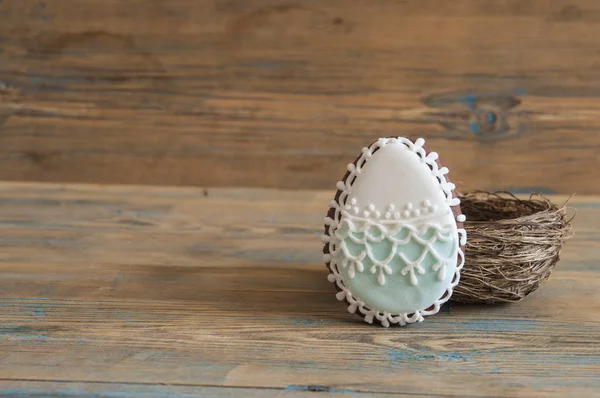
(142,291)
(281,93)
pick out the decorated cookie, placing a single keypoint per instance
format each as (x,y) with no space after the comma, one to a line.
(394,234)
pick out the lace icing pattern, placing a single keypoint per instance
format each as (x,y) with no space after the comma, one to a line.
(360,232)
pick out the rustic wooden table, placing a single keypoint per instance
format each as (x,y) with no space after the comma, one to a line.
(122,291)
(154,291)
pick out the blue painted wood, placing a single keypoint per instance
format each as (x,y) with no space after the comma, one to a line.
(281,94)
(223,293)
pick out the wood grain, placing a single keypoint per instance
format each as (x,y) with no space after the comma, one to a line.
(158,291)
(280,93)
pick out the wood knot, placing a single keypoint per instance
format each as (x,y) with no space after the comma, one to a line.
(477,115)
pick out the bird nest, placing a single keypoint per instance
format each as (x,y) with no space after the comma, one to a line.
(512,246)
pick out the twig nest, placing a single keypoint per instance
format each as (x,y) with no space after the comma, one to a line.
(512,248)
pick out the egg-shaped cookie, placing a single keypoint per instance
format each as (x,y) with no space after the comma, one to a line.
(393,236)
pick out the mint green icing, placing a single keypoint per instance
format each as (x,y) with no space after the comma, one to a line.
(397,294)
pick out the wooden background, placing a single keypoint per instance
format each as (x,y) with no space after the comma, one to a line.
(280,93)
(219,289)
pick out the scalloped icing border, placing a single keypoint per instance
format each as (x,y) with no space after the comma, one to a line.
(385,318)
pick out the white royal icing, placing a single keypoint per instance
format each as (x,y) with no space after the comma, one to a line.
(388,229)
(396,196)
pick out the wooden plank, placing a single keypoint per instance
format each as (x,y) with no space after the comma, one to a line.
(277,93)
(145,288)
(140,390)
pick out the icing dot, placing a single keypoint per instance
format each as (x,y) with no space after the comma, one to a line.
(366,213)
(391,207)
(416,213)
(461,218)
(388,215)
(340,185)
(397,215)
(371,207)
(408,206)
(353,201)
(406,214)
(355,210)
(377,214)
(433,208)
(347,207)
(426,203)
